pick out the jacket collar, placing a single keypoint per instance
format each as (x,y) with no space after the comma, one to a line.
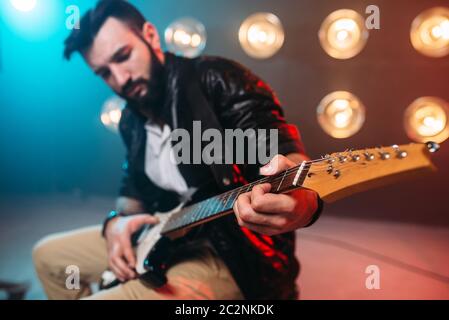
(177,78)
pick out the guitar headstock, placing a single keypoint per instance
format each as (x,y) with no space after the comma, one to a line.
(341,174)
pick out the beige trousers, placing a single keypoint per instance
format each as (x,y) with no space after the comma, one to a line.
(198,274)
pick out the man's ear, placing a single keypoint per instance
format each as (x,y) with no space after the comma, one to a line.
(151,35)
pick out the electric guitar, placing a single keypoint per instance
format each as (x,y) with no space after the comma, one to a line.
(333,177)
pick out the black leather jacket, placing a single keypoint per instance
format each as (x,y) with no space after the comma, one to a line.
(221,94)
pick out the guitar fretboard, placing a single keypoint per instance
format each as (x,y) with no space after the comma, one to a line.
(219,205)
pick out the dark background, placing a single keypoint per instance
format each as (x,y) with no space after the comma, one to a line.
(52,140)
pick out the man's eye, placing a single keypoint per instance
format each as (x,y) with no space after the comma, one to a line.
(123,57)
(105,74)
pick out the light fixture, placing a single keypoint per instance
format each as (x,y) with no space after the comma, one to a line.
(430,32)
(261,35)
(24,5)
(341,114)
(32,19)
(343,34)
(111,112)
(186,37)
(426,119)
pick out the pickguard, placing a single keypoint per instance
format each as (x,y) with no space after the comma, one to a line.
(150,236)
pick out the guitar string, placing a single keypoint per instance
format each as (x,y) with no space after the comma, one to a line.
(287,173)
(295,168)
(272,180)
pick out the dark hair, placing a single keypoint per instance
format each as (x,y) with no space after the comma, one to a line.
(82,38)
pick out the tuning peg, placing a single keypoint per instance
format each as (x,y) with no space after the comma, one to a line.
(432,146)
(355,157)
(400,154)
(368,156)
(337,174)
(384,155)
(342,158)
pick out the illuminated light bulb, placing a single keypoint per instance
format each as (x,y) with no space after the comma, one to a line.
(346,24)
(343,34)
(341,104)
(106,119)
(186,37)
(432,125)
(24,5)
(429,33)
(343,118)
(426,119)
(341,114)
(115,116)
(111,113)
(195,40)
(445,27)
(261,35)
(437,32)
(179,36)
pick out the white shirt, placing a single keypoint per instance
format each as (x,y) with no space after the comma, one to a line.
(159,167)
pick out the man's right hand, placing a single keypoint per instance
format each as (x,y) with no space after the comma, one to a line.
(121,257)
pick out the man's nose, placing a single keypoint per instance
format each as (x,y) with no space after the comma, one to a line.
(121,75)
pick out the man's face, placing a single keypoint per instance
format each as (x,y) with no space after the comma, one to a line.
(125,61)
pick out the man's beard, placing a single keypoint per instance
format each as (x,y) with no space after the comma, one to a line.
(153,101)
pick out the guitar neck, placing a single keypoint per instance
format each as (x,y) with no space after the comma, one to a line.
(217,206)
(333,177)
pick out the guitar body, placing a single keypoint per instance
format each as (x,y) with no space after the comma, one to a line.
(153,253)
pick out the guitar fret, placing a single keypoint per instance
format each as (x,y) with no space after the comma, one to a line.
(193,215)
(202,211)
(232,197)
(214,206)
(206,205)
(228,196)
(298,173)
(223,200)
(219,205)
(280,184)
(303,176)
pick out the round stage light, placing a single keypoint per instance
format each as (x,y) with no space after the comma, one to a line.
(430,32)
(24,5)
(186,37)
(426,119)
(341,114)
(32,19)
(111,112)
(261,35)
(343,34)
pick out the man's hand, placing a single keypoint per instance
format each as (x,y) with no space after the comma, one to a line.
(270,214)
(121,257)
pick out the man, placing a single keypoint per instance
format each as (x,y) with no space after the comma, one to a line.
(246,255)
